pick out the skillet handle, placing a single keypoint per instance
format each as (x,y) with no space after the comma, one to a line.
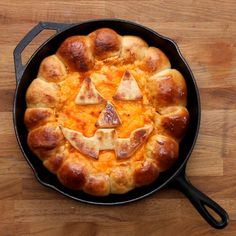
(200,201)
(19,67)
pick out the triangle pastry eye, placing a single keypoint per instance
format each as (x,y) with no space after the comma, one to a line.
(88,94)
(108,117)
(128,88)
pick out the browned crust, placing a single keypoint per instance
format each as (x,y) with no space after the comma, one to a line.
(42,94)
(121,179)
(163,150)
(76,52)
(155,60)
(45,137)
(173,122)
(35,117)
(54,162)
(145,173)
(133,48)
(52,69)
(167,88)
(72,175)
(97,185)
(106,43)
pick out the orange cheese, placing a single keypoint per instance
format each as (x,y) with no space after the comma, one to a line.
(82,118)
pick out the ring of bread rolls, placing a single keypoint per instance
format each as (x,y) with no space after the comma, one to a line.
(165,92)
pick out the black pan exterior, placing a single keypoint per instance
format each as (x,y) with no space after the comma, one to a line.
(123,28)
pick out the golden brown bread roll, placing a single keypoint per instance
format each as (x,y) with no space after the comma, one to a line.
(35,117)
(42,94)
(133,48)
(55,160)
(73,174)
(106,113)
(167,88)
(145,173)
(121,179)
(52,69)
(163,150)
(76,52)
(106,43)
(97,185)
(173,121)
(154,60)
(45,139)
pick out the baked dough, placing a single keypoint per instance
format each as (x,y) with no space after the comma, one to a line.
(106,113)
(128,88)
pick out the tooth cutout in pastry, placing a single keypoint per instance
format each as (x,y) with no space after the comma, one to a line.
(106,138)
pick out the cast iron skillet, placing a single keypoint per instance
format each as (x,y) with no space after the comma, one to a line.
(175,177)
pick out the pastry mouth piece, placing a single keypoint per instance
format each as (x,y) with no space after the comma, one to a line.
(106,113)
(107,139)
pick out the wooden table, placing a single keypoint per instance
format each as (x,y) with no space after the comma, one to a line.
(206,34)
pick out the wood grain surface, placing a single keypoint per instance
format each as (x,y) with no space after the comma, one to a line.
(206,34)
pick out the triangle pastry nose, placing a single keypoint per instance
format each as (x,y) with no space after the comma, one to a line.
(108,117)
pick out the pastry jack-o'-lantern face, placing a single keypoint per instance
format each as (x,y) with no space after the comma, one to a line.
(106,113)
(106,138)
